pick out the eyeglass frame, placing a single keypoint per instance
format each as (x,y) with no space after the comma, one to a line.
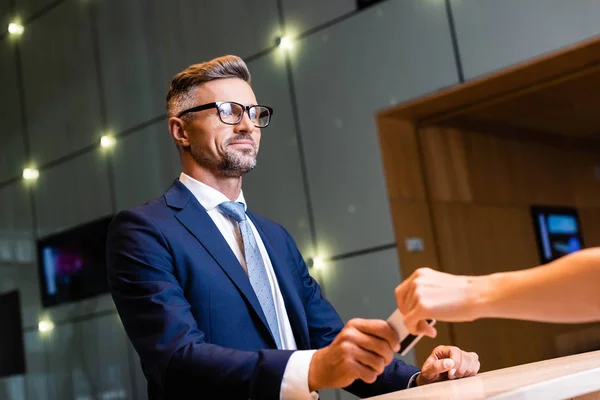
(217,104)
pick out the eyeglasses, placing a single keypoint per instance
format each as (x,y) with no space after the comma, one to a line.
(231,113)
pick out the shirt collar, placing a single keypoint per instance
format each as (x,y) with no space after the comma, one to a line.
(208,197)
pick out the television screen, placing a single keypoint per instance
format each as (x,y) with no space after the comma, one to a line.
(557,230)
(73,263)
(12,345)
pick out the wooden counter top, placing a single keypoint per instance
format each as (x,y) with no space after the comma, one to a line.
(559,378)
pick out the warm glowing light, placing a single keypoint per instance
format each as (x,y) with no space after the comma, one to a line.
(45,325)
(14,28)
(108,141)
(319,262)
(30,174)
(286,43)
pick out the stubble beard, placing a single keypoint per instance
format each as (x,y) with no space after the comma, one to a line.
(233,164)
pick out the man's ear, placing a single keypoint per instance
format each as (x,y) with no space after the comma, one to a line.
(178,133)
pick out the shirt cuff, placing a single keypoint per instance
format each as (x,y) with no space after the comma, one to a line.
(294,385)
(413,381)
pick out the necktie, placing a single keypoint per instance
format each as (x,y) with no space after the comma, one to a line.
(257,273)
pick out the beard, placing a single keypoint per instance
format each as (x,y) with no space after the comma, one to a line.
(233,164)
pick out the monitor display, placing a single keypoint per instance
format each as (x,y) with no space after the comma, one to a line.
(12,344)
(72,264)
(558,231)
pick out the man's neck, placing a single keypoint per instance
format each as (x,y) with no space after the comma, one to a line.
(229,186)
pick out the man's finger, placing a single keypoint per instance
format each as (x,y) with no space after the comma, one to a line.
(475,370)
(378,328)
(457,356)
(431,359)
(449,352)
(371,360)
(473,365)
(436,368)
(363,372)
(465,364)
(374,345)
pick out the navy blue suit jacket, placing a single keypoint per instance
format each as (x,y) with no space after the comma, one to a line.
(192,316)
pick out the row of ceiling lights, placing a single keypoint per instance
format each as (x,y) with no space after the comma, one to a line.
(106,142)
(17,29)
(31,173)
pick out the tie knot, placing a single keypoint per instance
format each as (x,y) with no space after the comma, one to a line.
(234,209)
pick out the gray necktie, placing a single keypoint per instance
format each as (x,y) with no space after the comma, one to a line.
(255,266)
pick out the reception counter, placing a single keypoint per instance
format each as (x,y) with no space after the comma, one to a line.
(576,376)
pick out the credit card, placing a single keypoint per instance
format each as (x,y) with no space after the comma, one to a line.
(407,340)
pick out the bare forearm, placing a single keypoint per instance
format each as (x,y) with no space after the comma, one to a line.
(566,290)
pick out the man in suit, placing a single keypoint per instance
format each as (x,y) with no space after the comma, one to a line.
(218,301)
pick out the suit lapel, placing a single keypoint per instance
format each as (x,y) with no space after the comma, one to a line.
(293,304)
(197,221)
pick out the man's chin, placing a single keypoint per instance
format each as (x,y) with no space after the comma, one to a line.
(238,168)
(236,173)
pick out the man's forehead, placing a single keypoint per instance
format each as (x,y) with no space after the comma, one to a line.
(225,90)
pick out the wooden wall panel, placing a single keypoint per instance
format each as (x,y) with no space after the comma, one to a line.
(590,226)
(490,173)
(412,219)
(401,160)
(446,164)
(578,341)
(541,172)
(585,175)
(473,166)
(485,168)
(481,239)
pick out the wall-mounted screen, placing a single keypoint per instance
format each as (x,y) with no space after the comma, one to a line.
(12,345)
(558,231)
(72,264)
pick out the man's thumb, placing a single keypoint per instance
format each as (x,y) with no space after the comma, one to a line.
(448,363)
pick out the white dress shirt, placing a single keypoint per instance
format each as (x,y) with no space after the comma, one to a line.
(295,378)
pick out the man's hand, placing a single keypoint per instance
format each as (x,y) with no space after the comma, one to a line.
(430,294)
(448,362)
(360,351)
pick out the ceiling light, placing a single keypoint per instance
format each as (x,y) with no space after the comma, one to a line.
(285,43)
(16,29)
(107,141)
(45,325)
(318,262)
(30,174)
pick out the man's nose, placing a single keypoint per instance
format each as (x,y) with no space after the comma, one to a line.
(245,125)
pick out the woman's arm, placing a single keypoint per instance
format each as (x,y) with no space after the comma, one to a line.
(566,290)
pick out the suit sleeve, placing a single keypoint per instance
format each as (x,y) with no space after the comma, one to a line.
(158,320)
(324,324)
